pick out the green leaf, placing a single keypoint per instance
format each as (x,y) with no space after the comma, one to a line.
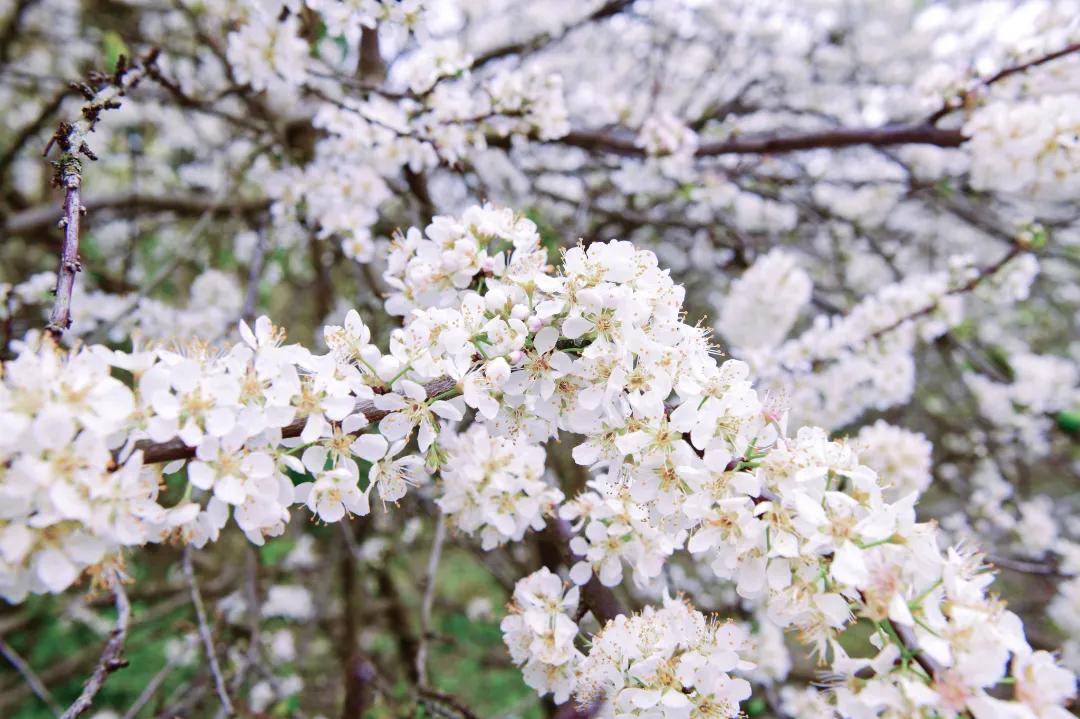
(1069,421)
(275,550)
(113,47)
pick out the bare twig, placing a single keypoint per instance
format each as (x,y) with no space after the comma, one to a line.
(102,92)
(36,685)
(907,636)
(959,100)
(445,701)
(1024,566)
(204,633)
(539,42)
(153,685)
(429,599)
(110,659)
(35,219)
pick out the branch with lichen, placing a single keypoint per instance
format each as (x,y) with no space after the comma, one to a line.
(102,91)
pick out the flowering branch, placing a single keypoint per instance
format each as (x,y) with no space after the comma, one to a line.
(960,99)
(157,452)
(527,47)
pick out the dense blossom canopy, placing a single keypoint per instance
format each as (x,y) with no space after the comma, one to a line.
(824,384)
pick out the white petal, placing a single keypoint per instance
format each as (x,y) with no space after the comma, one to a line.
(371,447)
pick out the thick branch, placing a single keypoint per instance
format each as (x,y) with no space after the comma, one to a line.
(623,144)
(371,68)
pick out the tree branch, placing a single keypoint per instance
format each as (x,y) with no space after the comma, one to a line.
(32,680)
(70,178)
(110,659)
(102,92)
(959,100)
(36,219)
(429,599)
(157,452)
(623,144)
(527,47)
(204,633)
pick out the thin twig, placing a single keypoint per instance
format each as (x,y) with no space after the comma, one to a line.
(32,680)
(1024,566)
(71,180)
(110,659)
(427,696)
(102,92)
(429,599)
(153,685)
(959,100)
(204,634)
(255,270)
(35,219)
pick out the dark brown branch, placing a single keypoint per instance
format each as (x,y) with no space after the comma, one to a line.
(451,702)
(110,658)
(1025,566)
(982,275)
(371,68)
(623,144)
(907,636)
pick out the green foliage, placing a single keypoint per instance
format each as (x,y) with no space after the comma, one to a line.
(113,46)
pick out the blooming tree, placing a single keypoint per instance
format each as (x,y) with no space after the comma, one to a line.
(760,456)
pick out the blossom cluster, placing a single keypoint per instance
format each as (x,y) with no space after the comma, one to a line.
(685,456)
(539,633)
(494,487)
(671,662)
(1028,146)
(845,364)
